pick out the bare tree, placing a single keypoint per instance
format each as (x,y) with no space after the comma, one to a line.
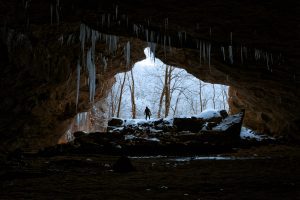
(224,93)
(121,94)
(213,98)
(132,95)
(201,86)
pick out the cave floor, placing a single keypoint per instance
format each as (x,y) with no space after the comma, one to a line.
(272,172)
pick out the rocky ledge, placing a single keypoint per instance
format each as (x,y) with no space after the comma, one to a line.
(209,132)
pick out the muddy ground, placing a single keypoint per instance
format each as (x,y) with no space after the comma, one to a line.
(266,172)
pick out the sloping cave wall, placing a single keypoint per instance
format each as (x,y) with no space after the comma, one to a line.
(38,65)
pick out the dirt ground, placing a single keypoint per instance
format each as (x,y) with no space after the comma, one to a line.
(267,172)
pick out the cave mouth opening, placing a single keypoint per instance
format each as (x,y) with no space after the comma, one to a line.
(167,90)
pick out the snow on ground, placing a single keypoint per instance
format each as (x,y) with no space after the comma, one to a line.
(208,114)
(250,134)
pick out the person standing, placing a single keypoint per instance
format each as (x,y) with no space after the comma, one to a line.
(147,112)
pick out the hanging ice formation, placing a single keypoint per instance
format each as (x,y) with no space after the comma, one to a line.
(166,22)
(203,51)
(127,53)
(61,39)
(170,46)
(92,74)
(136,30)
(152,44)
(230,53)
(104,63)
(92,36)
(223,53)
(180,38)
(82,36)
(78,83)
(242,60)
(116,11)
(208,52)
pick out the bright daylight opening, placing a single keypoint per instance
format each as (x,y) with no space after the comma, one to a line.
(166,90)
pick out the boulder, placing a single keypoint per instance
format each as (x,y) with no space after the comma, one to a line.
(188,124)
(115,122)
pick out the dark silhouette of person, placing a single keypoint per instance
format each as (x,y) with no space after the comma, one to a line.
(147,112)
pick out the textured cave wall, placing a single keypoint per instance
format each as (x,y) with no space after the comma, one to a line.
(38,70)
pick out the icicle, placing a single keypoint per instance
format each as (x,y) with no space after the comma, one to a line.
(223,53)
(267,60)
(136,30)
(61,39)
(203,51)
(78,83)
(180,37)
(242,55)
(105,63)
(255,54)
(230,54)
(147,35)
(103,19)
(127,53)
(170,47)
(166,22)
(272,59)
(92,74)
(70,40)
(116,11)
(88,33)
(82,36)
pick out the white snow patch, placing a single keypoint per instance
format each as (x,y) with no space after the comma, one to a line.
(208,114)
(250,134)
(129,137)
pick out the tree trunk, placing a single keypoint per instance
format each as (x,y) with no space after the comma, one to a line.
(200,96)
(214,96)
(120,96)
(161,101)
(131,87)
(168,75)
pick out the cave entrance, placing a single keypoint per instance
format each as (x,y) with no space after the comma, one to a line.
(168,91)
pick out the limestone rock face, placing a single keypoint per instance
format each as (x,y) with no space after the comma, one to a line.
(39,52)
